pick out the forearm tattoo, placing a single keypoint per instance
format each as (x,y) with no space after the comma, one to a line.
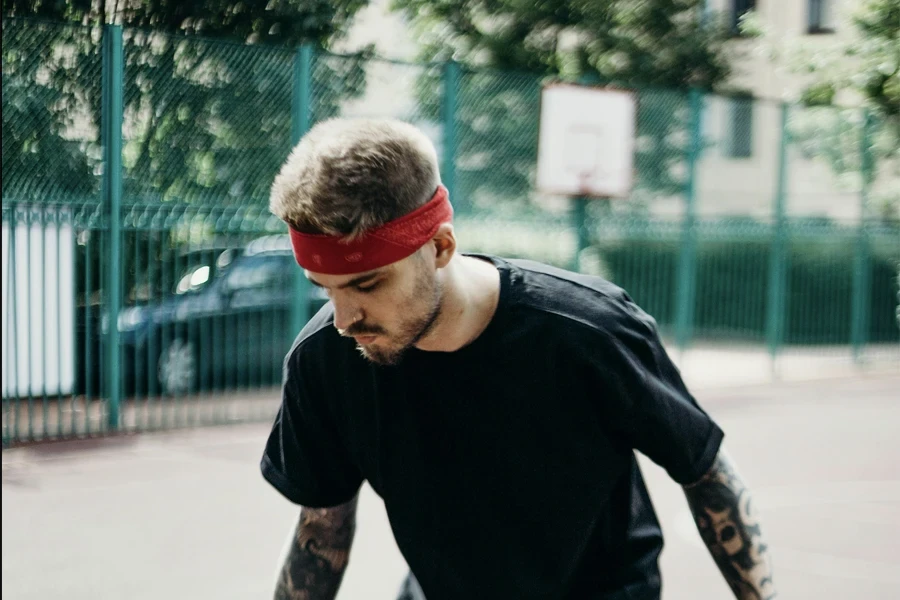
(728,523)
(316,561)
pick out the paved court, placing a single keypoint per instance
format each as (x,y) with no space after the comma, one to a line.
(187,515)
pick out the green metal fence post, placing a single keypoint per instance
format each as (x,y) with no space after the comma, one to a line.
(861,264)
(775,309)
(687,264)
(579,204)
(301,120)
(579,223)
(11,328)
(301,98)
(451,91)
(113,100)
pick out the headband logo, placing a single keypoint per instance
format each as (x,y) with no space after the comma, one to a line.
(355,257)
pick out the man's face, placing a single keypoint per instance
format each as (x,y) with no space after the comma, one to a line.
(387,310)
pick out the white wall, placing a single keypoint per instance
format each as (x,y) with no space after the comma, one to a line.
(38,309)
(788,21)
(747,186)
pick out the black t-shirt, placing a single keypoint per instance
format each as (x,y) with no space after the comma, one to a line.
(507,468)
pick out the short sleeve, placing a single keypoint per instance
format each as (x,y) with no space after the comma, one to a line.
(304,458)
(644,400)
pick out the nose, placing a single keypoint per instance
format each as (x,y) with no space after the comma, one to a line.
(345,313)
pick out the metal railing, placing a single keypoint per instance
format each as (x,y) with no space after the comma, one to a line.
(146,286)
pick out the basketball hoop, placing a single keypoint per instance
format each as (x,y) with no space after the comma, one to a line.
(586,141)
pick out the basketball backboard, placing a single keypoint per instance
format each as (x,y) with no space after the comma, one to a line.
(586,141)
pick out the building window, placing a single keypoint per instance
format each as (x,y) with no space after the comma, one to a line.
(738,9)
(739,128)
(821,16)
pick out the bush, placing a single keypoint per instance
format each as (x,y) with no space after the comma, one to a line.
(733,282)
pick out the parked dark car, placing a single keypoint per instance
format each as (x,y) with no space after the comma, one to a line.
(176,272)
(230,330)
(187,270)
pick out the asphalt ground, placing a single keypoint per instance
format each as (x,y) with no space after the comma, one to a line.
(186,514)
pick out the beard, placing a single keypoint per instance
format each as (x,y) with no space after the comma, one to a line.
(427,296)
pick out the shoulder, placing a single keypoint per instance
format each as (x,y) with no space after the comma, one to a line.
(578,304)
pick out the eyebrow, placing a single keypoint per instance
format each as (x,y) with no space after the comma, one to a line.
(353,282)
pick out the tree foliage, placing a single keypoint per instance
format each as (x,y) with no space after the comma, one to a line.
(662,48)
(48,150)
(208,91)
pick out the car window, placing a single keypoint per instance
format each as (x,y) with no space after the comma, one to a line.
(258,272)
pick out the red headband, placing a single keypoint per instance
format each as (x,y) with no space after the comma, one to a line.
(393,241)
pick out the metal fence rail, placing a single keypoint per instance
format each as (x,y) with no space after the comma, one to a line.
(146,286)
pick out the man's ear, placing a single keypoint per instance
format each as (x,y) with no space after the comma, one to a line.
(445,245)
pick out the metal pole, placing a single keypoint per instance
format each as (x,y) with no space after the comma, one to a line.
(113,92)
(301,108)
(301,120)
(448,169)
(11,328)
(579,223)
(687,264)
(861,265)
(580,203)
(778,257)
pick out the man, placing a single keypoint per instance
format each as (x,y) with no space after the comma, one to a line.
(495,405)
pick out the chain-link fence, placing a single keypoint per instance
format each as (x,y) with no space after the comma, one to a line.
(146,285)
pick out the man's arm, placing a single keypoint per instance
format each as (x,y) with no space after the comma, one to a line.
(316,560)
(728,523)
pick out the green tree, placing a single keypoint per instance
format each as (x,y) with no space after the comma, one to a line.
(208,96)
(206,119)
(661,47)
(50,148)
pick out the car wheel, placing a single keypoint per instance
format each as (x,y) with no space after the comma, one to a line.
(177,367)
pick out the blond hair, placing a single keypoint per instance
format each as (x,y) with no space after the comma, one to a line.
(347,176)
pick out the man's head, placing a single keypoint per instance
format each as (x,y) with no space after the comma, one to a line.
(350,178)
(347,176)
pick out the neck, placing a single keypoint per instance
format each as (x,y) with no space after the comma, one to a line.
(471,291)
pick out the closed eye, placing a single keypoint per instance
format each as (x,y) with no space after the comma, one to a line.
(365,289)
